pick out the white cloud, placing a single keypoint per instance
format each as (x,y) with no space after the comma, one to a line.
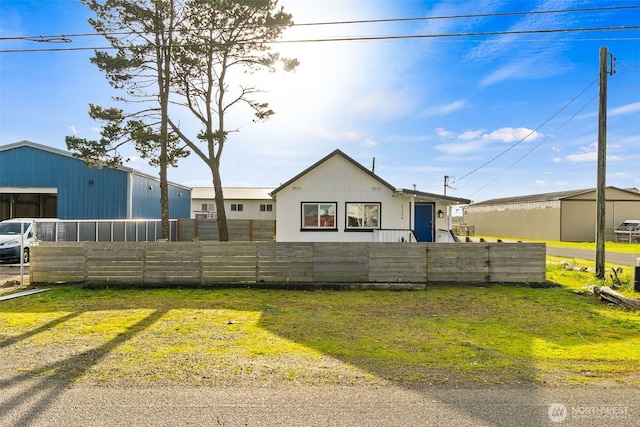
(469,135)
(625,109)
(509,134)
(368,143)
(540,182)
(74,131)
(475,140)
(510,71)
(460,148)
(443,110)
(561,183)
(444,133)
(591,156)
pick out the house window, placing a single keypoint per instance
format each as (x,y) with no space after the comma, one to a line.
(237,207)
(208,207)
(318,216)
(363,216)
(266,208)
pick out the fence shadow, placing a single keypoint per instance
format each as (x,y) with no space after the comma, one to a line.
(34,392)
(441,338)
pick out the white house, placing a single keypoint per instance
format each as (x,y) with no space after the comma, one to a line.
(239,203)
(339,200)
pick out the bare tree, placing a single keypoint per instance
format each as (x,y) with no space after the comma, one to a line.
(218,37)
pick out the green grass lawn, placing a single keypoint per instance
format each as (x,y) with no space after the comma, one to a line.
(629,248)
(456,335)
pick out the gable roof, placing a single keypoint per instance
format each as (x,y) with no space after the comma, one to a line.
(59,152)
(542,197)
(336,152)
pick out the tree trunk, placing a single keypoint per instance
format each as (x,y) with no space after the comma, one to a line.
(221,219)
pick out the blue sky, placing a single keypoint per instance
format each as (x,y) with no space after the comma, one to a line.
(422,107)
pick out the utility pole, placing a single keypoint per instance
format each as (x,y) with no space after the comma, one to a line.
(448,182)
(602,162)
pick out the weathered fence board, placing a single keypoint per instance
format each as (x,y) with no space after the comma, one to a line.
(516,263)
(240,230)
(175,262)
(340,263)
(64,262)
(448,262)
(398,262)
(204,263)
(116,263)
(229,262)
(285,262)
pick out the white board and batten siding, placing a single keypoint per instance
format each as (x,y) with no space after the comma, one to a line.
(339,182)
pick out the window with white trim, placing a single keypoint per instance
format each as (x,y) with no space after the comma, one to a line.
(237,207)
(318,216)
(361,216)
(264,207)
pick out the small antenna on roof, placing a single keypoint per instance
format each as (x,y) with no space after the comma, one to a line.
(373,166)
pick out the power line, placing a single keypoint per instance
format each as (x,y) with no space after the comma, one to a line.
(535,146)
(478,15)
(58,38)
(371,38)
(511,147)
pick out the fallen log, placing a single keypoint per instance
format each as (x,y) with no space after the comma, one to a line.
(572,267)
(607,294)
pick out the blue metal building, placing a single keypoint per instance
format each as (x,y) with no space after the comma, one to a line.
(37,181)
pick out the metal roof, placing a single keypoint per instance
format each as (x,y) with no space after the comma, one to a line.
(69,154)
(233,193)
(542,197)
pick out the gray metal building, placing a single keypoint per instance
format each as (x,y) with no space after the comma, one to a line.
(37,181)
(568,216)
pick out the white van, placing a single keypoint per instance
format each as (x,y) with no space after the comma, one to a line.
(10,239)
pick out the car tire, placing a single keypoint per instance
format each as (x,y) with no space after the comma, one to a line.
(25,255)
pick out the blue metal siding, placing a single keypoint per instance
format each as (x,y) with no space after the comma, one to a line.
(146,199)
(89,193)
(179,202)
(106,198)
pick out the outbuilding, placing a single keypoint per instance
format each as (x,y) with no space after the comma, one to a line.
(38,181)
(568,216)
(252,203)
(339,200)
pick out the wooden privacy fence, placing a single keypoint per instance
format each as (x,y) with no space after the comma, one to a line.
(240,230)
(219,263)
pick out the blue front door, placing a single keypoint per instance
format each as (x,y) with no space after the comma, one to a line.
(423,224)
